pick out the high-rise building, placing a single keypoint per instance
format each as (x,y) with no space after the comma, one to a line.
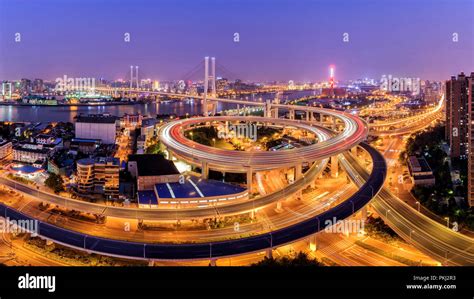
(97,126)
(7,90)
(99,175)
(38,86)
(156,85)
(456,116)
(470,183)
(25,86)
(5,150)
(460,124)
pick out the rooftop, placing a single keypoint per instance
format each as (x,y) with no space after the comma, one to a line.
(146,122)
(147,198)
(153,165)
(85,140)
(418,164)
(195,187)
(96,118)
(98,160)
(3,142)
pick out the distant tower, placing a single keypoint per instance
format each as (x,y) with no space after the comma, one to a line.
(207,77)
(133,78)
(136,78)
(331,78)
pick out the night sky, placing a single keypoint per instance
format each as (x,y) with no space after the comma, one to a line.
(279,39)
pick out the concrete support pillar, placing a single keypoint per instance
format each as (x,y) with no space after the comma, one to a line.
(321,118)
(213,262)
(333,123)
(363,213)
(269,253)
(249,180)
(312,117)
(267,110)
(313,245)
(204,170)
(292,114)
(308,116)
(298,171)
(334,167)
(276,101)
(151,263)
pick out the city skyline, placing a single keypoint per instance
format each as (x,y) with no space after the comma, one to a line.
(168,38)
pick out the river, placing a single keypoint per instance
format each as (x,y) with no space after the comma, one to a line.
(16,113)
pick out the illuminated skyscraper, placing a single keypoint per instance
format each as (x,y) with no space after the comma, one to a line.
(470,171)
(456,116)
(460,124)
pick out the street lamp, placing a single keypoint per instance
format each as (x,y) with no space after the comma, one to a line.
(412,231)
(418,203)
(386,213)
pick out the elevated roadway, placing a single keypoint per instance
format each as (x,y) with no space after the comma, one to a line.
(215,250)
(427,235)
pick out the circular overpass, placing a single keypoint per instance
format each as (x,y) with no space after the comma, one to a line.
(172,136)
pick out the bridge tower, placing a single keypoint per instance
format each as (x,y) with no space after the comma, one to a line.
(133,77)
(209,87)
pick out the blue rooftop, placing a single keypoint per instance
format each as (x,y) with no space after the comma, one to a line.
(216,188)
(147,198)
(195,187)
(25,169)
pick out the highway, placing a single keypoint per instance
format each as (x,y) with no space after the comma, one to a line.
(328,147)
(266,219)
(217,249)
(409,124)
(172,213)
(427,235)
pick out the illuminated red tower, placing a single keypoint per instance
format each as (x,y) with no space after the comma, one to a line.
(331,78)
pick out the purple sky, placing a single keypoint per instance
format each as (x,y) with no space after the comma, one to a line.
(279,39)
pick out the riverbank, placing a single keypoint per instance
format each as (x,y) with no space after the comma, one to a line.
(73,105)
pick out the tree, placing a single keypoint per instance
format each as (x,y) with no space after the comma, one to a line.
(154,149)
(55,182)
(300,259)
